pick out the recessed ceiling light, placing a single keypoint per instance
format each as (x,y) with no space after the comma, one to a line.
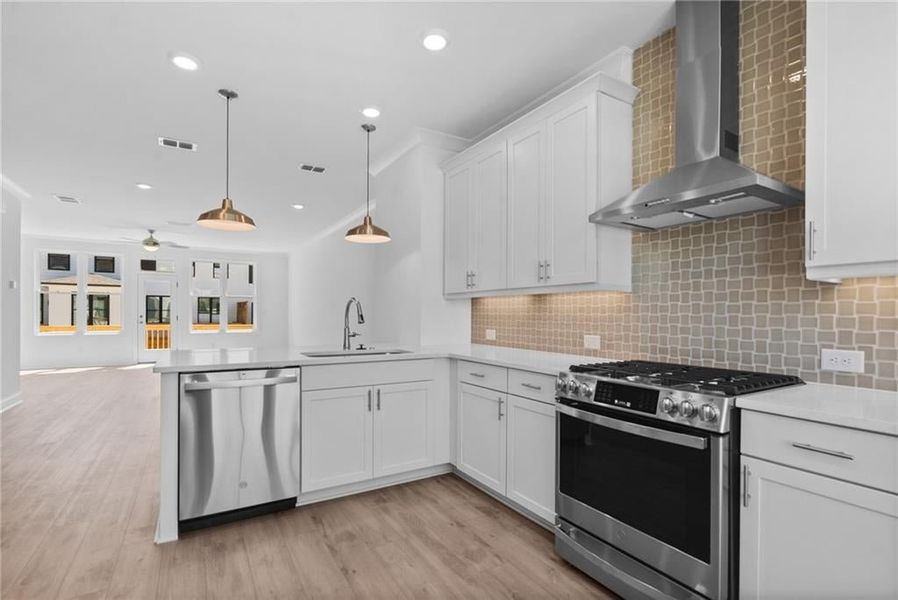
(144,186)
(186,62)
(371,112)
(299,206)
(435,40)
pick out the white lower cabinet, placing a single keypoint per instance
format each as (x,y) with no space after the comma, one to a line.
(356,434)
(336,438)
(507,444)
(805,535)
(402,428)
(481,440)
(531,456)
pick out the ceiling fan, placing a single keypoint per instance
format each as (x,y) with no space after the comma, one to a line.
(152,244)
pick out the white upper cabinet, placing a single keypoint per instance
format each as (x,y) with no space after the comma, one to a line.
(458,229)
(526,185)
(570,239)
(852,139)
(489,214)
(530,188)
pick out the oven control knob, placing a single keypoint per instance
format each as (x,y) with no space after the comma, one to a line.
(687,409)
(668,405)
(573,386)
(709,413)
(586,390)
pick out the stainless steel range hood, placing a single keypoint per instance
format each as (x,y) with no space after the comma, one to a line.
(708,182)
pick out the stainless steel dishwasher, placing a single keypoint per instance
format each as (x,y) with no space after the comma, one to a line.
(238,447)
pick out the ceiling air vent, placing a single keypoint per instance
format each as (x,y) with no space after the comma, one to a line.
(178,144)
(67,199)
(310,168)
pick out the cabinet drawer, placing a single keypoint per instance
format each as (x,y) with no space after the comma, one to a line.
(536,386)
(323,377)
(488,376)
(862,457)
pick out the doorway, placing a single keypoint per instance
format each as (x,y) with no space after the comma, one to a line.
(156,313)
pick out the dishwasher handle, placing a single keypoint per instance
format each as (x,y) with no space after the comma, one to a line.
(197,386)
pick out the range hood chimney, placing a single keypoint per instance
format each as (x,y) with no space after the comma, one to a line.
(708,182)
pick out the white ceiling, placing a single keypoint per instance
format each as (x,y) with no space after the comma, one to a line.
(87,89)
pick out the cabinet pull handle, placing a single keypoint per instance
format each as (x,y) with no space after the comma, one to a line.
(378,398)
(369,400)
(746,473)
(539,271)
(532,387)
(467,279)
(473,278)
(480,375)
(501,401)
(811,242)
(546,274)
(812,448)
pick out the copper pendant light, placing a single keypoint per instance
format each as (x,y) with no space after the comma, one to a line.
(227,218)
(367,232)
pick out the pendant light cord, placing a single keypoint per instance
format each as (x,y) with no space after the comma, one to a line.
(228,148)
(368,173)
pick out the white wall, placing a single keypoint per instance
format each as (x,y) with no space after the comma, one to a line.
(324,273)
(53,351)
(10,227)
(409,301)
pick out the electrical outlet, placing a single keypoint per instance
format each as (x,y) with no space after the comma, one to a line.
(851,361)
(491,334)
(593,342)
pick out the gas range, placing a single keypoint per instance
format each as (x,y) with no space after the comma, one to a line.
(699,397)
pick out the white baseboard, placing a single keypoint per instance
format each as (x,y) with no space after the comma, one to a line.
(10,401)
(372,484)
(506,501)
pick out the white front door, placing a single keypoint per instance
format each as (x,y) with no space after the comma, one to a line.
(155,316)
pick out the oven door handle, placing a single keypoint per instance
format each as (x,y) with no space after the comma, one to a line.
(672,437)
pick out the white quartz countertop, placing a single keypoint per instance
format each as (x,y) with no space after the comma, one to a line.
(858,408)
(227,359)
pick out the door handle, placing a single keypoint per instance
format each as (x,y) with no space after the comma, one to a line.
(237,383)
(378,398)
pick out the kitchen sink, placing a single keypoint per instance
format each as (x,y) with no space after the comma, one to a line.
(366,352)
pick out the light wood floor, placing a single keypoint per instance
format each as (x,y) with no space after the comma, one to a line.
(79,485)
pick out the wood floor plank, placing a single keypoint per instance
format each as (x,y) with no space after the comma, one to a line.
(79,474)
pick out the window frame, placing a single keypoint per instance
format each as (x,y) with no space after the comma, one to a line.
(97,258)
(68,261)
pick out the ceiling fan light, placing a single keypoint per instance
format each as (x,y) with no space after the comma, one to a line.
(226,218)
(367,233)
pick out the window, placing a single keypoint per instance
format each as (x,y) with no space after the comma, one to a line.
(240,315)
(158,310)
(59,262)
(104,295)
(104,264)
(97,309)
(207,313)
(57,293)
(240,290)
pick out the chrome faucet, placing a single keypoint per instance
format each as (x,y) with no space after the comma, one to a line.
(347,334)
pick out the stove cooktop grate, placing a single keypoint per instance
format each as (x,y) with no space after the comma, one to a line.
(728,382)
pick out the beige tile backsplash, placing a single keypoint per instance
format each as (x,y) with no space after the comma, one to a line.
(729,293)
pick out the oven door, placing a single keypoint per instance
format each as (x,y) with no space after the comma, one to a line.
(655,490)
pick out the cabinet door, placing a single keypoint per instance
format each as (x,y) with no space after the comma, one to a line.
(526,189)
(336,437)
(403,427)
(490,209)
(458,228)
(481,435)
(531,455)
(571,194)
(852,137)
(809,536)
